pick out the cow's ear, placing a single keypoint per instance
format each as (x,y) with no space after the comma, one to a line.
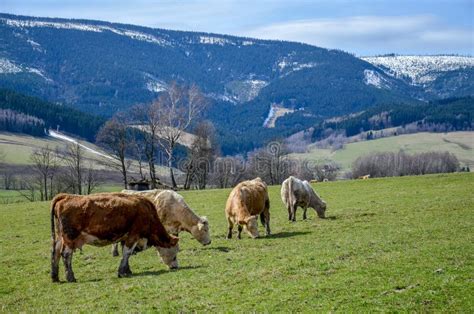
(200,225)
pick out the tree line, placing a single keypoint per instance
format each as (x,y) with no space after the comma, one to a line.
(390,164)
(52,171)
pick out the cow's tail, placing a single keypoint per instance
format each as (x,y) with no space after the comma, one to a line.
(53,228)
(53,219)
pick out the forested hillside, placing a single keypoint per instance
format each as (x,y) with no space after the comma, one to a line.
(32,115)
(453,114)
(101,68)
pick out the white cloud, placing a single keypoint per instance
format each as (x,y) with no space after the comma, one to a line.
(374,34)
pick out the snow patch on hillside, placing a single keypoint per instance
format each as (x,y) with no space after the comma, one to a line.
(88,28)
(8,67)
(275,112)
(374,78)
(36,46)
(254,88)
(156,86)
(39,73)
(212,40)
(215,40)
(420,69)
(293,66)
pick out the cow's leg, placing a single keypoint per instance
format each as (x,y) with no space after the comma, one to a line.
(293,212)
(231,226)
(55,257)
(304,212)
(239,229)
(67,259)
(289,211)
(115,251)
(266,214)
(124,268)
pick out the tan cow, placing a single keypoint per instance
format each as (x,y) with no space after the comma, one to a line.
(295,192)
(246,202)
(175,215)
(103,219)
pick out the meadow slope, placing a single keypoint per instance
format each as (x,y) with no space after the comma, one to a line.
(393,244)
(460,144)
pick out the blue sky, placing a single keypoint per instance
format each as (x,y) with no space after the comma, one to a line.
(362,27)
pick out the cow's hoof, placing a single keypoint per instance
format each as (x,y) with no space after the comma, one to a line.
(55,279)
(125,274)
(71,279)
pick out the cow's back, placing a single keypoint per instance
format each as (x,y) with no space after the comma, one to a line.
(254,195)
(172,209)
(107,216)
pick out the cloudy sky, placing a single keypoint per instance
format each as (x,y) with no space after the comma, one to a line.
(364,27)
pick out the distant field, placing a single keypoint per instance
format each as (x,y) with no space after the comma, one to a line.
(460,144)
(18,148)
(393,245)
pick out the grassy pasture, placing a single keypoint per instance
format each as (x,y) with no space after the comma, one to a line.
(393,244)
(460,144)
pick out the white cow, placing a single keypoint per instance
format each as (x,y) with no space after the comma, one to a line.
(295,192)
(175,215)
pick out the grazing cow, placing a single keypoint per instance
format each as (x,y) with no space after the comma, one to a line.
(295,192)
(367,176)
(246,201)
(103,219)
(175,215)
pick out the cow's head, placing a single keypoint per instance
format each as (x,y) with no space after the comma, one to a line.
(321,209)
(200,231)
(251,226)
(169,256)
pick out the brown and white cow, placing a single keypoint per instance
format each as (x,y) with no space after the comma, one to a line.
(295,192)
(175,215)
(246,202)
(103,219)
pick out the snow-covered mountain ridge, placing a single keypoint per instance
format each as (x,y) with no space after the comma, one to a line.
(420,69)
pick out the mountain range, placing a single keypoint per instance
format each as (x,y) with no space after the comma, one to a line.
(258,89)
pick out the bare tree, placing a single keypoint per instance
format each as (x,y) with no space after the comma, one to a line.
(148,122)
(176,109)
(270,163)
(73,158)
(44,163)
(138,150)
(228,171)
(201,155)
(29,186)
(92,179)
(115,137)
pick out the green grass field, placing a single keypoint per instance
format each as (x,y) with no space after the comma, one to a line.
(393,244)
(460,144)
(18,147)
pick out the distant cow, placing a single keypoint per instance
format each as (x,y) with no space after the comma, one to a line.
(103,219)
(175,215)
(246,201)
(367,176)
(295,192)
